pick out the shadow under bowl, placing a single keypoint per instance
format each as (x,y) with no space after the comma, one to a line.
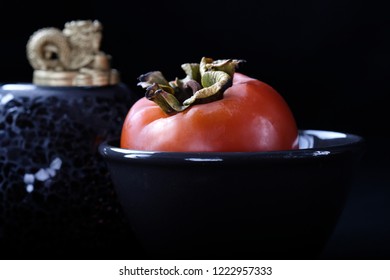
(236,205)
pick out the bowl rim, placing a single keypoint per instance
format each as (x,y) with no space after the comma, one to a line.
(325,144)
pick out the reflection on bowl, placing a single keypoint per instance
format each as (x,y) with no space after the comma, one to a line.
(256,205)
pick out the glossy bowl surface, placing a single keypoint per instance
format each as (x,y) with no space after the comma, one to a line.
(236,205)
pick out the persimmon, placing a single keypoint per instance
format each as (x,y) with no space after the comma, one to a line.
(213,109)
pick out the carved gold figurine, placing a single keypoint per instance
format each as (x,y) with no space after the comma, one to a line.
(70,57)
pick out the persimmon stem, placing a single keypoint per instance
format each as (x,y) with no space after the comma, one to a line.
(204,82)
(167,101)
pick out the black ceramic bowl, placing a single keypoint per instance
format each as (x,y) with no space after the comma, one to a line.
(256,205)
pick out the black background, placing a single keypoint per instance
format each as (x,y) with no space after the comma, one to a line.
(330,59)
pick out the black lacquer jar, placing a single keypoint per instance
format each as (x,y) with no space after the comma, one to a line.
(56,196)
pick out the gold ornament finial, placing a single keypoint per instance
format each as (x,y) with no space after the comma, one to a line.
(70,57)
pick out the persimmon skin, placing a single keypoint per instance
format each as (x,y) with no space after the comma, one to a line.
(251,116)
